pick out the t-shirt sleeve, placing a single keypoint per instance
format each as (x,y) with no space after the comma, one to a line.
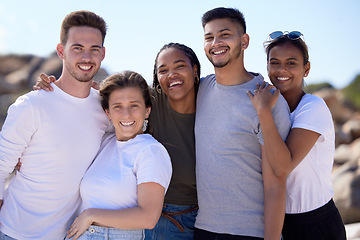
(153,165)
(15,136)
(313,115)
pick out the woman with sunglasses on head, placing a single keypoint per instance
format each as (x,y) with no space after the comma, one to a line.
(172,119)
(306,158)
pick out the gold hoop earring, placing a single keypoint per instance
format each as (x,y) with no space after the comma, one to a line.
(158,88)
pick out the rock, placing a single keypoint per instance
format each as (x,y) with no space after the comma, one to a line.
(340,136)
(342,154)
(352,127)
(347,152)
(52,66)
(100,75)
(12,62)
(20,78)
(346,183)
(353,231)
(336,103)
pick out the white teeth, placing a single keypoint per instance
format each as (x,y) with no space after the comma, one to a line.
(175,83)
(127,123)
(283,78)
(85,67)
(219,52)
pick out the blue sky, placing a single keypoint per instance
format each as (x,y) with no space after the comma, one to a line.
(138,29)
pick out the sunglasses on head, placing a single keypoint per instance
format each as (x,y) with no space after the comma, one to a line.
(294,35)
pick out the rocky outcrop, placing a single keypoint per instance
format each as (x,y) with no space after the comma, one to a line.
(346,173)
(19,73)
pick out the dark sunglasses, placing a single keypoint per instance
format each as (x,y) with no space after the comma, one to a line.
(294,35)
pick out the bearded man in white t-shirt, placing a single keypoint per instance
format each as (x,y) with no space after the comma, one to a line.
(56,135)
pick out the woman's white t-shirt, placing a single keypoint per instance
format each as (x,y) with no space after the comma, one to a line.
(111,181)
(309,185)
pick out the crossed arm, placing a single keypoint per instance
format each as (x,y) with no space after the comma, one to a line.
(144,216)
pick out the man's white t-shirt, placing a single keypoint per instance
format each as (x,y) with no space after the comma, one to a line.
(56,136)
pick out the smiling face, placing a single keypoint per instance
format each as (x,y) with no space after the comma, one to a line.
(127,111)
(176,75)
(286,68)
(82,53)
(224,41)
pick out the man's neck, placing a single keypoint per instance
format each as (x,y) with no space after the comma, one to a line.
(231,75)
(74,87)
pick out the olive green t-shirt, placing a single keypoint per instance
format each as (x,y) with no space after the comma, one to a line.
(176,132)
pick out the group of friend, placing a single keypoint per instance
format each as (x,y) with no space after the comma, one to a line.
(226,156)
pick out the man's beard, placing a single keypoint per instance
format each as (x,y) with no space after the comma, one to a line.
(83,78)
(237,54)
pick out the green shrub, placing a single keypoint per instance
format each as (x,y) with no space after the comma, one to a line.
(352,92)
(311,88)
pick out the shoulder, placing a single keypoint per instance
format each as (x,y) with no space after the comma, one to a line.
(149,147)
(251,85)
(149,142)
(257,77)
(282,104)
(206,84)
(24,112)
(94,92)
(107,138)
(313,114)
(29,99)
(309,98)
(94,95)
(208,78)
(150,151)
(312,103)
